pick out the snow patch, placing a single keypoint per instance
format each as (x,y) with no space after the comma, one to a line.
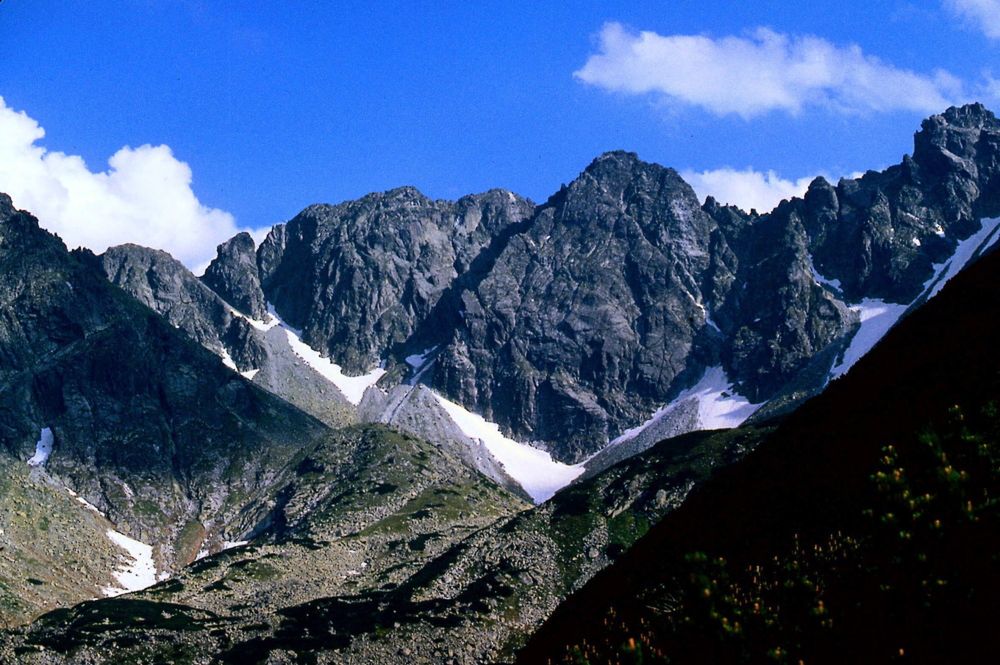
(139,574)
(227,360)
(417,360)
(533,469)
(249,374)
(229,544)
(43,448)
(819,279)
(352,387)
(877,317)
(259,325)
(966,251)
(420,363)
(719,405)
(88,505)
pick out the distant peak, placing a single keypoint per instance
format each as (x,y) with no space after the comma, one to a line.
(951,135)
(970,116)
(241,241)
(405,192)
(619,166)
(614,157)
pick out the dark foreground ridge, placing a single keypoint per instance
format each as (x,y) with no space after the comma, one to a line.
(814,485)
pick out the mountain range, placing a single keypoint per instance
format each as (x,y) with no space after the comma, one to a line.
(406,430)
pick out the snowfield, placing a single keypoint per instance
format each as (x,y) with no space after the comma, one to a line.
(138,575)
(719,405)
(967,250)
(877,317)
(43,448)
(533,469)
(420,363)
(352,387)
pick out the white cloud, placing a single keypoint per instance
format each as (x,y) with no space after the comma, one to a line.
(144,197)
(761,72)
(984,14)
(747,188)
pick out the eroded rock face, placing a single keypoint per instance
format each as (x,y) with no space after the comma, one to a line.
(234,276)
(362,277)
(589,315)
(571,322)
(165,285)
(880,234)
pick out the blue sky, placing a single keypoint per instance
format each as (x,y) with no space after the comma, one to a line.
(277,105)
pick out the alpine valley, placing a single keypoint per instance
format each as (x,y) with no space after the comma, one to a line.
(620,425)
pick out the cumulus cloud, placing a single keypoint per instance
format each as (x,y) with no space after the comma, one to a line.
(983,14)
(762,72)
(144,197)
(746,189)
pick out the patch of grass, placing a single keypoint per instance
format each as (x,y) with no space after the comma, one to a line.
(626,528)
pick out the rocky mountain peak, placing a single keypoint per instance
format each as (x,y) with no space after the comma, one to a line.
(953,140)
(971,116)
(613,160)
(163,284)
(363,276)
(619,174)
(234,275)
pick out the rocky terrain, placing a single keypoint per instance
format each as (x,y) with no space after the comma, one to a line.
(331,444)
(409,559)
(148,427)
(571,322)
(574,322)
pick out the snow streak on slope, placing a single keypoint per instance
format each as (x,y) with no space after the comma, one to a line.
(970,248)
(141,573)
(719,405)
(533,469)
(227,360)
(259,325)
(420,363)
(352,387)
(819,279)
(878,316)
(43,448)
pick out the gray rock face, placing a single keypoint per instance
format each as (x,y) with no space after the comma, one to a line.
(880,234)
(775,318)
(233,275)
(163,284)
(166,286)
(362,277)
(575,321)
(587,317)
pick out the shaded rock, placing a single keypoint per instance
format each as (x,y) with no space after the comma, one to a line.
(234,276)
